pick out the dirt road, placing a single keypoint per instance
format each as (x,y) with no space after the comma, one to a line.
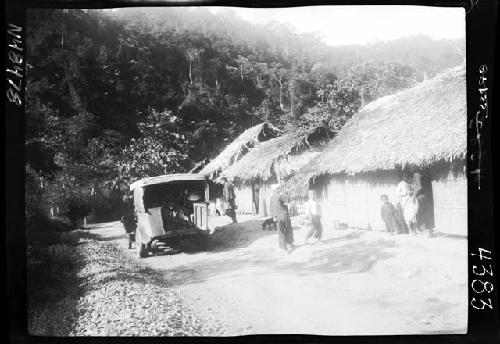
(353,283)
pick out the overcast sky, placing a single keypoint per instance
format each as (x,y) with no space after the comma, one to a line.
(341,25)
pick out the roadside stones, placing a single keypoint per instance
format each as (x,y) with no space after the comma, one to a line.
(119,298)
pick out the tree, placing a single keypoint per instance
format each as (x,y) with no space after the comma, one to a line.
(160,149)
(375,79)
(337,103)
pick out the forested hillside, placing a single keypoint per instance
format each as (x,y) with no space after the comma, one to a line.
(113,96)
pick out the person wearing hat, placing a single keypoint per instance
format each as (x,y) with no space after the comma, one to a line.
(279,211)
(229,198)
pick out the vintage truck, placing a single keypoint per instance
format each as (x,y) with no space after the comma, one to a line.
(168,208)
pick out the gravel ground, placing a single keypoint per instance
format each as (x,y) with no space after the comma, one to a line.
(115,297)
(353,282)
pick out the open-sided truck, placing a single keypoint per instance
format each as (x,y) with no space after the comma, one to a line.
(169,208)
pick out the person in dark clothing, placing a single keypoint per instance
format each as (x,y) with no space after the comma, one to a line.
(423,192)
(128,220)
(279,211)
(389,215)
(229,198)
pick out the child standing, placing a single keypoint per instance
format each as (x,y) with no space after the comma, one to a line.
(313,212)
(389,215)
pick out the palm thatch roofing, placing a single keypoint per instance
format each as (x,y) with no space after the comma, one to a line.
(239,147)
(279,157)
(199,165)
(421,125)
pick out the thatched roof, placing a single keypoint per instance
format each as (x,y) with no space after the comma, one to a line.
(239,147)
(279,157)
(199,165)
(421,125)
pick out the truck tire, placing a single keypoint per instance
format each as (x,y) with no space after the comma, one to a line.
(140,248)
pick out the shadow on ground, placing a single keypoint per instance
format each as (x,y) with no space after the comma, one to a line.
(345,254)
(224,238)
(239,235)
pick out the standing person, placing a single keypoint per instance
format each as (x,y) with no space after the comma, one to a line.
(229,198)
(408,203)
(279,211)
(128,219)
(416,183)
(423,192)
(389,215)
(313,212)
(404,192)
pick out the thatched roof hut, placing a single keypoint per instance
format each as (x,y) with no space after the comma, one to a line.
(239,147)
(425,126)
(422,125)
(279,157)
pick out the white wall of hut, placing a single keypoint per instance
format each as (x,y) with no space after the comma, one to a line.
(244,198)
(355,200)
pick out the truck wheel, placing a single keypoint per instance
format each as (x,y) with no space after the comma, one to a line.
(140,248)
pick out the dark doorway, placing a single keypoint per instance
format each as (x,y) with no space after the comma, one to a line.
(425,215)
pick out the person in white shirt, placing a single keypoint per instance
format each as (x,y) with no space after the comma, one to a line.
(408,204)
(313,212)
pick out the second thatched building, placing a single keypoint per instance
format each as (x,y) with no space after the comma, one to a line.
(272,162)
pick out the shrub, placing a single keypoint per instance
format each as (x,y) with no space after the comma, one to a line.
(32,194)
(77,208)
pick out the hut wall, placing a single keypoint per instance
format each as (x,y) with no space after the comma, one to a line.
(450,203)
(244,199)
(244,202)
(356,200)
(333,201)
(265,193)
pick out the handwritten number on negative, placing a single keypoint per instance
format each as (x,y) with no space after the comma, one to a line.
(481,255)
(473,303)
(485,271)
(486,286)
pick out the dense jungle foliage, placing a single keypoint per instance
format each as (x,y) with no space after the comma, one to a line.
(113,96)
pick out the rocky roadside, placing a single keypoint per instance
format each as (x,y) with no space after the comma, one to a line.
(116,297)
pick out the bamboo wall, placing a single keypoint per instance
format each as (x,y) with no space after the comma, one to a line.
(244,202)
(265,194)
(356,200)
(450,204)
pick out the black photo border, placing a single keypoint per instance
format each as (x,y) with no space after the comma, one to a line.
(481,43)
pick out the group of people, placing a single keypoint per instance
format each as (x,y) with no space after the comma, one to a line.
(279,210)
(410,215)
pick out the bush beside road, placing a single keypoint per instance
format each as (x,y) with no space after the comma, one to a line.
(81,286)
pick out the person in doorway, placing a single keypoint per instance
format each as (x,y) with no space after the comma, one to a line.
(389,215)
(416,183)
(313,212)
(229,198)
(279,211)
(423,192)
